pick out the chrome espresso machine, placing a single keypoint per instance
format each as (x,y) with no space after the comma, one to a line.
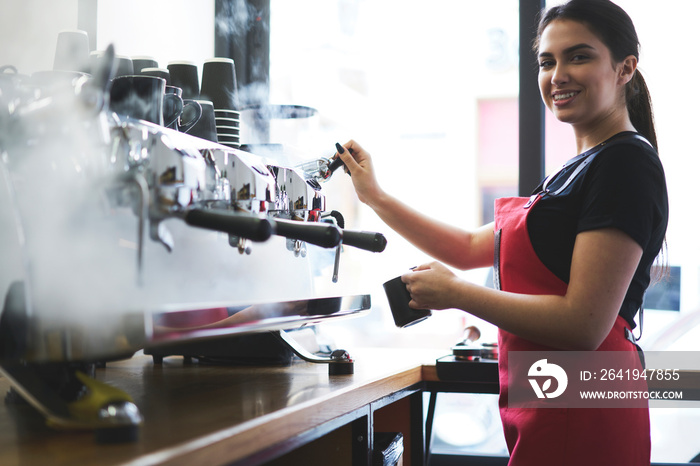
(120,235)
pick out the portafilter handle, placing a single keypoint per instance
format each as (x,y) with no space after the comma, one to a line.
(244,226)
(328,235)
(324,234)
(322,169)
(333,166)
(367,240)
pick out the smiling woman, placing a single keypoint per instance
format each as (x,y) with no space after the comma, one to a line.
(572,262)
(589,212)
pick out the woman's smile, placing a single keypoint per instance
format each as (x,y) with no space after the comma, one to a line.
(562,98)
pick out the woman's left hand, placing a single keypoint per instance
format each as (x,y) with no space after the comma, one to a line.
(432,286)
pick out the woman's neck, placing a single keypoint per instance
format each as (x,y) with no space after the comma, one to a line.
(589,137)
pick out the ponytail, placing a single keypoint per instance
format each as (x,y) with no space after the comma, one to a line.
(640,109)
(642,118)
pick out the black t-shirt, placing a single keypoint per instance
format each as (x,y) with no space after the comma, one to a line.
(623,187)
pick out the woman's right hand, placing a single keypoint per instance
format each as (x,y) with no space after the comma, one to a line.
(358,163)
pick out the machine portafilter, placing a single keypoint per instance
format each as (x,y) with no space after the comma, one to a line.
(292,197)
(301,189)
(320,171)
(179,182)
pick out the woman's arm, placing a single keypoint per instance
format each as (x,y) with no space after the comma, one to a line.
(446,243)
(603,264)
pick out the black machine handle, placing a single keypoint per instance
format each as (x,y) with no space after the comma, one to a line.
(334,165)
(368,240)
(245,226)
(321,234)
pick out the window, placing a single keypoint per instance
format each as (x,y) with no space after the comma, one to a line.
(407,80)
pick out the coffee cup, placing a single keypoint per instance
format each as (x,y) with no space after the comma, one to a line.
(399,297)
(172,106)
(205,127)
(191,114)
(125,67)
(72,51)
(219,83)
(140,62)
(157,72)
(140,97)
(96,61)
(185,75)
(180,114)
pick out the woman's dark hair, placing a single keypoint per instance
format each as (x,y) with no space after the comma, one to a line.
(613,26)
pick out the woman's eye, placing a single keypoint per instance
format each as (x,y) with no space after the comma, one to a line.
(579,57)
(546,63)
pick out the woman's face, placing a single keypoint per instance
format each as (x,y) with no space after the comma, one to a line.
(578,81)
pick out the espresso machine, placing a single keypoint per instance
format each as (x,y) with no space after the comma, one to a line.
(121,235)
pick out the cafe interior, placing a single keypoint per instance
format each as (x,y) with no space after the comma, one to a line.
(188,275)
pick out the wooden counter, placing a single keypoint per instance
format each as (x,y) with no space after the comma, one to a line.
(197,414)
(201,414)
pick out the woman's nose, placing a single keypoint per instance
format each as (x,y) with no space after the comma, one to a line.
(559,74)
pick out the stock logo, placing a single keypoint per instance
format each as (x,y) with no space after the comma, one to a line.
(546,372)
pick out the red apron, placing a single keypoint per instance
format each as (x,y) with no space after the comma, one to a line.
(557,436)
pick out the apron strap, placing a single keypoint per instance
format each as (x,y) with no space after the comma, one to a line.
(588,158)
(575,173)
(630,336)
(641,321)
(497,259)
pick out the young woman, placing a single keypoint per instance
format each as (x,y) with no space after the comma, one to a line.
(571,262)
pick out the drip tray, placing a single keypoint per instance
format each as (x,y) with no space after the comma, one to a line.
(248,349)
(482,371)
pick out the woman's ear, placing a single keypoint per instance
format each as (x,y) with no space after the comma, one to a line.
(626,69)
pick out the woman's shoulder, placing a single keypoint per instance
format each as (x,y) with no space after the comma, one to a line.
(628,153)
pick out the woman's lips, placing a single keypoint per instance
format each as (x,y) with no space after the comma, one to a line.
(563,98)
